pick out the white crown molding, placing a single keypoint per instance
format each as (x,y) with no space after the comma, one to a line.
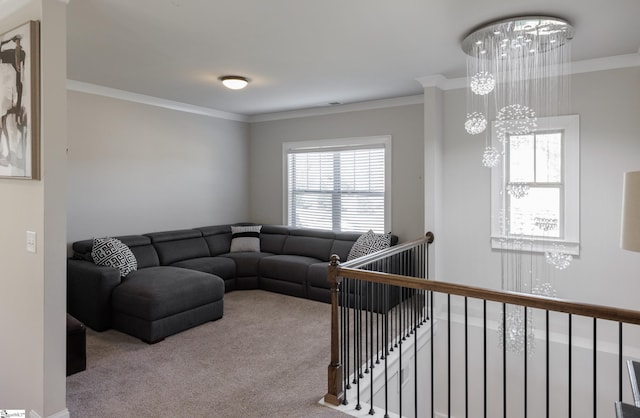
(89,88)
(437,80)
(608,63)
(576,67)
(328,110)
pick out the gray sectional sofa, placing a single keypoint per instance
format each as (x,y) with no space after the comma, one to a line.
(182,276)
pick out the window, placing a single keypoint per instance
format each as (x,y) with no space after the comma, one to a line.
(535,191)
(339,185)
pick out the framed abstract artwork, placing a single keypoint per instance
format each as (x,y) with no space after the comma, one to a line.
(20,102)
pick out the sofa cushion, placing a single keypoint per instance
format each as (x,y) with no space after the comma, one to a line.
(309,243)
(158,292)
(369,243)
(220,266)
(246,262)
(289,268)
(174,246)
(245,238)
(343,243)
(218,238)
(317,275)
(272,238)
(111,252)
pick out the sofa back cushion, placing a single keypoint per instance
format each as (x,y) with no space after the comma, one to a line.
(174,246)
(139,245)
(343,243)
(218,238)
(272,238)
(309,243)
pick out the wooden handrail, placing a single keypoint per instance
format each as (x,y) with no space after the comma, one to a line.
(627,316)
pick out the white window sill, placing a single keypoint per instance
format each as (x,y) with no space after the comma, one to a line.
(536,245)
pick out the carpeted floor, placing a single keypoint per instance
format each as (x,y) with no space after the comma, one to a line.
(267,357)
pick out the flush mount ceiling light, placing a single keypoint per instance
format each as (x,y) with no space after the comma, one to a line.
(234,82)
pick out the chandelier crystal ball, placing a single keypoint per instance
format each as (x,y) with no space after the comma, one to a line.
(518,190)
(491,157)
(482,83)
(558,258)
(515,119)
(544,289)
(476,123)
(517,331)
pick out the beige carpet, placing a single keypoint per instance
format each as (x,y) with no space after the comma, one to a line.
(267,357)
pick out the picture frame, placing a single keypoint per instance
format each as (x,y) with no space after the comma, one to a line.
(20,102)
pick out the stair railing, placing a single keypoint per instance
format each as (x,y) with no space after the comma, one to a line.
(375,309)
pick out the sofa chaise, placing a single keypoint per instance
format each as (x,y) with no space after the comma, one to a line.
(182,275)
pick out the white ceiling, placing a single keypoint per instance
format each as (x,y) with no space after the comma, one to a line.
(303,53)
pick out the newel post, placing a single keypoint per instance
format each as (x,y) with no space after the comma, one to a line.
(334,392)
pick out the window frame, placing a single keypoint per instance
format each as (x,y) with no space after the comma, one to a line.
(338,144)
(569,236)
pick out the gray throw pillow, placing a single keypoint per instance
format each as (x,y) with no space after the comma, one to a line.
(245,238)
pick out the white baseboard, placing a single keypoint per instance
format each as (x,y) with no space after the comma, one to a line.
(61,414)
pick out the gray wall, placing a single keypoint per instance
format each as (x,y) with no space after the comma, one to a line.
(403,123)
(608,103)
(135,168)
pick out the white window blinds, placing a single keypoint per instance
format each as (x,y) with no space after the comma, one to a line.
(337,188)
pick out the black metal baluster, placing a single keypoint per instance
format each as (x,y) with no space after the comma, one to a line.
(620,361)
(403,310)
(387,302)
(432,370)
(448,354)
(357,335)
(400,376)
(548,361)
(504,360)
(378,333)
(355,326)
(415,375)
(484,354)
(595,370)
(386,356)
(526,335)
(366,327)
(372,290)
(347,297)
(466,360)
(398,321)
(570,380)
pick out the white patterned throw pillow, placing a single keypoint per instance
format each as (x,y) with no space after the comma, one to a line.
(112,252)
(368,243)
(245,238)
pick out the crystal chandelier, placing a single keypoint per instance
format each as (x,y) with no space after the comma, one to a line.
(517,70)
